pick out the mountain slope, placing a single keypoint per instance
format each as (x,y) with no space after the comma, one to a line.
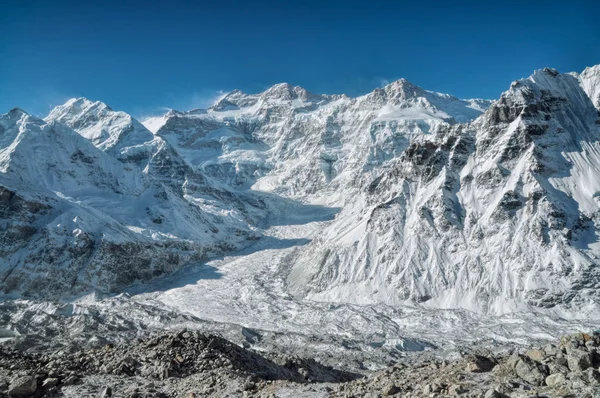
(495,216)
(75,219)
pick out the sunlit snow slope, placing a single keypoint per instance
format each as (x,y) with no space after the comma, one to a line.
(498,215)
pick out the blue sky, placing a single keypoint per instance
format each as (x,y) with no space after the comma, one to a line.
(143,57)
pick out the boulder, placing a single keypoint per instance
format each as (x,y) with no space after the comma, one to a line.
(556,380)
(455,389)
(431,388)
(558,368)
(492,394)
(50,382)
(390,389)
(551,349)
(593,376)
(531,371)
(578,360)
(23,386)
(479,364)
(536,355)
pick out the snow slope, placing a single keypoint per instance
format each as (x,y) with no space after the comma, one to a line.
(496,216)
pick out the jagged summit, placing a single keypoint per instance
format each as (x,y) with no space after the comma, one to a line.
(16,111)
(109,130)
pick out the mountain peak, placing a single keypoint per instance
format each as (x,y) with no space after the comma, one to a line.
(82,103)
(16,112)
(285,91)
(590,82)
(397,91)
(99,123)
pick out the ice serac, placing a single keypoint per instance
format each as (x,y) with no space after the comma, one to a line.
(495,216)
(75,219)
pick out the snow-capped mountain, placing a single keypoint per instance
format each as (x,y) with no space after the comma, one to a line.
(490,206)
(495,216)
(114,132)
(76,219)
(303,145)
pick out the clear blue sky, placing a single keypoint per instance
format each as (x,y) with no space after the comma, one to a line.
(145,56)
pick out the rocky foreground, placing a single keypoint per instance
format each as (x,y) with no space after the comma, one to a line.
(194,364)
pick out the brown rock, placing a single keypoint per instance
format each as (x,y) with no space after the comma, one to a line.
(536,355)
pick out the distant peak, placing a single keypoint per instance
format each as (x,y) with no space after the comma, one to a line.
(280,91)
(400,89)
(550,71)
(285,91)
(404,88)
(17,112)
(85,104)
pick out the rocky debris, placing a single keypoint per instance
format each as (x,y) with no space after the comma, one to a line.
(195,364)
(556,380)
(541,372)
(162,359)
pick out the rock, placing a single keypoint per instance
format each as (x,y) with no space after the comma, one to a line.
(492,394)
(556,380)
(593,376)
(578,360)
(479,364)
(190,395)
(304,372)
(557,368)
(551,349)
(536,355)
(107,392)
(23,386)
(390,389)
(511,362)
(50,382)
(249,386)
(530,371)
(431,388)
(71,380)
(455,389)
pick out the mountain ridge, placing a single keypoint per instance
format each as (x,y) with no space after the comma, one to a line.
(426,200)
